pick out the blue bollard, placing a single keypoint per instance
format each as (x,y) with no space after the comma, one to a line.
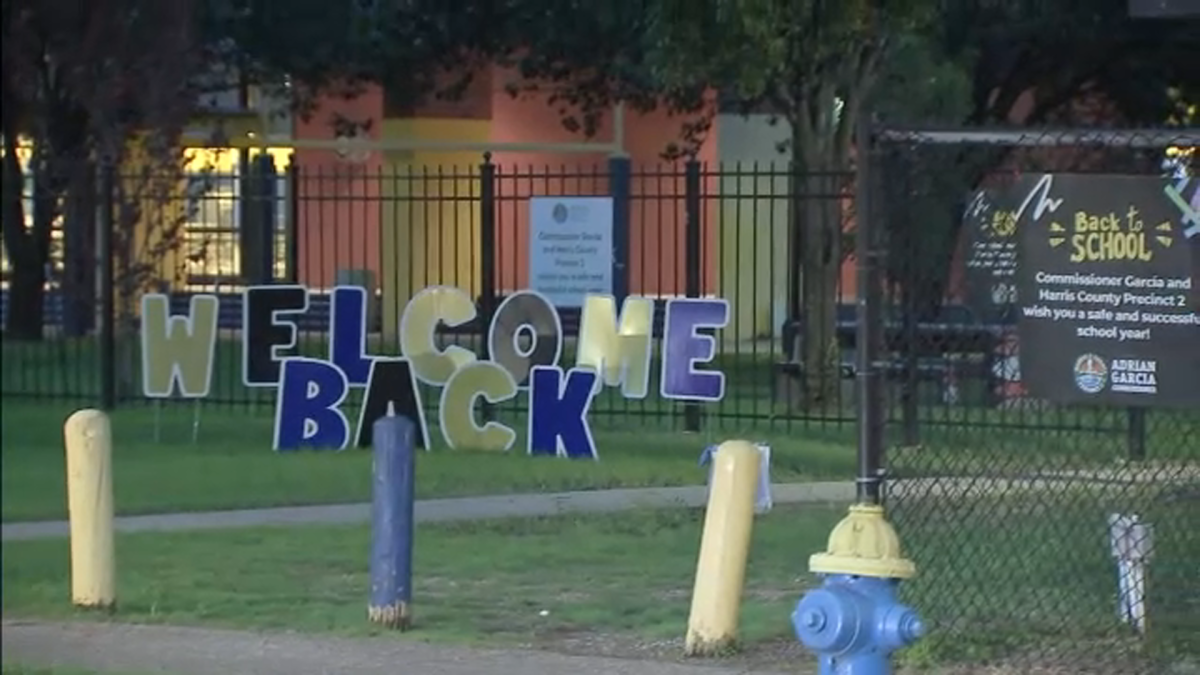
(392,522)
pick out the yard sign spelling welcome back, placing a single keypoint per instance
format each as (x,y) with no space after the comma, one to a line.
(614,349)
(570,264)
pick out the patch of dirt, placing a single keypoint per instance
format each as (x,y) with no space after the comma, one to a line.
(787,655)
(1075,663)
(617,645)
(773,656)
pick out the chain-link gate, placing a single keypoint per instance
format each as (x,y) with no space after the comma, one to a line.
(1049,538)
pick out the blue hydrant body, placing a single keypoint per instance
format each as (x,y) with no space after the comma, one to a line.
(854,623)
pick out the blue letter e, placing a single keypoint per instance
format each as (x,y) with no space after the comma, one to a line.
(307,412)
(558,412)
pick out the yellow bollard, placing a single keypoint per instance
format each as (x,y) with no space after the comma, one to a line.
(724,548)
(88,436)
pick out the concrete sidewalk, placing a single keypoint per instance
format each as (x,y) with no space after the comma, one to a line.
(604,501)
(434,510)
(198,651)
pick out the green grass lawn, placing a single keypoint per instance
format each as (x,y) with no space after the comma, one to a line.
(640,442)
(631,573)
(547,582)
(233,466)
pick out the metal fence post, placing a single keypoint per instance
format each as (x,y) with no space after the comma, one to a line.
(487,242)
(78,289)
(620,188)
(487,261)
(869,325)
(291,226)
(911,389)
(910,318)
(691,261)
(107,336)
(1137,434)
(257,212)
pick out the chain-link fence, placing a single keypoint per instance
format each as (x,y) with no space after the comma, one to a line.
(1051,537)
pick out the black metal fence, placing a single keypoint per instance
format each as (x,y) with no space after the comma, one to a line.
(1005,501)
(685,229)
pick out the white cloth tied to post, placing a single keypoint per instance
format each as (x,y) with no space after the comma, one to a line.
(762,497)
(1132,545)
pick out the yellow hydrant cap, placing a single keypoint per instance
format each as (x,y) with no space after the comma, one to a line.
(865,544)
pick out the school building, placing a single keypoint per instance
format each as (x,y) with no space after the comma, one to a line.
(407,215)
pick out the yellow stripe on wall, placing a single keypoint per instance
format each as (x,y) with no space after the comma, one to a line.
(753,223)
(430,218)
(753,251)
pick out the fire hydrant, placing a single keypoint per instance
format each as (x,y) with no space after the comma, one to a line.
(853,621)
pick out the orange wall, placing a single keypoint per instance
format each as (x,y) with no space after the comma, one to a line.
(338,200)
(659,219)
(521,175)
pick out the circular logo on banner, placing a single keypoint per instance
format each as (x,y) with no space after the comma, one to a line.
(1091,373)
(560,213)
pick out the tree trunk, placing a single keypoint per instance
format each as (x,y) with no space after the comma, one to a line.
(25,296)
(79,253)
(820,276)
(816,231)
(27,272)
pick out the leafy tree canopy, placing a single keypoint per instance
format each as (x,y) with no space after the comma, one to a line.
(338,46)
(1059,48)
